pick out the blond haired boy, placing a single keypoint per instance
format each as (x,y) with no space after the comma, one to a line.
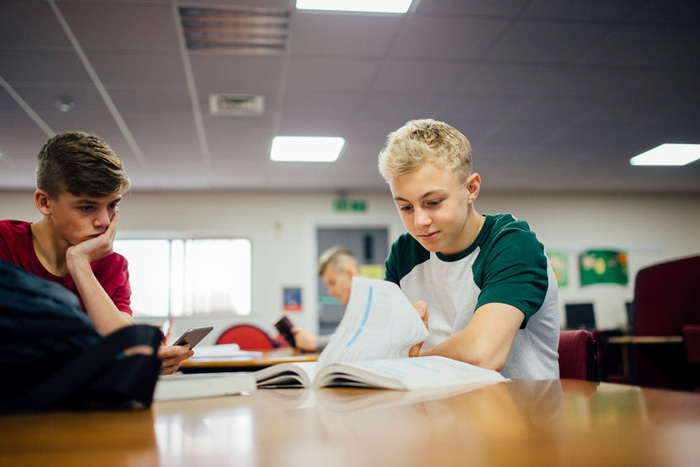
(482,284)
(80,182)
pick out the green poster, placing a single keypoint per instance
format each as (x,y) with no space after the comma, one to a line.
(603,267)
(560,264)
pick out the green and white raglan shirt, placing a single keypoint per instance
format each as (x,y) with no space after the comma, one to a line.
(505,264)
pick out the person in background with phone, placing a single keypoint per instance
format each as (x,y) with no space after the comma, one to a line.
(336,266)
(80,182)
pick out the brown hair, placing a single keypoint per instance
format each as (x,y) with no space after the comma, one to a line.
(422,141)
(80,164)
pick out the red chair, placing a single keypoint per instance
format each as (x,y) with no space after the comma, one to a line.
(578,355)
(247,336)
(666,298)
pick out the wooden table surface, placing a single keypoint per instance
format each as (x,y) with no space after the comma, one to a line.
(518,422)
(646,340)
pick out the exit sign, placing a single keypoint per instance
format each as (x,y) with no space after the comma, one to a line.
(345,205)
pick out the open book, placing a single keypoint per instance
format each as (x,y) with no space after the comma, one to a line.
(370,349)
(407,374)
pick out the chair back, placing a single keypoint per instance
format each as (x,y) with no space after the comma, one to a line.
(667,297)
(691,335)
(247,336)
(578,355)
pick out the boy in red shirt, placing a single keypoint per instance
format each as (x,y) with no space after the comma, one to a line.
(80,182)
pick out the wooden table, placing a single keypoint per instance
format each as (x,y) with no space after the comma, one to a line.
(670,355)
(538,423)
(269,358)
(646,340)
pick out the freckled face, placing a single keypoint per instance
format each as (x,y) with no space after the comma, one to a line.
(79,218)
(434,205)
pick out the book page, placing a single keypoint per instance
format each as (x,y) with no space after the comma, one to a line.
(379,322)
(409,374)
(299,374)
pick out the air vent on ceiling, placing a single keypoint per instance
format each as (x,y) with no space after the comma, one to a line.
(236,105)
(240,30)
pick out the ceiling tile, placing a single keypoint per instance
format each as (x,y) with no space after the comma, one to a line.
(544,42)
(329,74)
(319,34)
(122,26)
(446,38)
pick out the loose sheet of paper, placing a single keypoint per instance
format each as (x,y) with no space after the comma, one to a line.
(379,322)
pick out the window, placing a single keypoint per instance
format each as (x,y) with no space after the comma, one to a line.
(188,277)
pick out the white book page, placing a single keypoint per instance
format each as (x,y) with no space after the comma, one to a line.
(287,374)
(413,373)
(379,322)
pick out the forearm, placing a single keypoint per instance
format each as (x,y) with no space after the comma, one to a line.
(468,349)
(486,341)
(100,308)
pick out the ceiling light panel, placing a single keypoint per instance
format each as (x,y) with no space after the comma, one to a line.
(306,148)
(668,154)
(371,6)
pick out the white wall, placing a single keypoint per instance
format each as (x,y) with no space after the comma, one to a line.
(282,226)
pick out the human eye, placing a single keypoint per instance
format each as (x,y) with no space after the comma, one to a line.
(86,208)
(114,205)
(434,202)
(404,207)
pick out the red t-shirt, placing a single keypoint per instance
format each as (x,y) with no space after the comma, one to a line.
(112,271)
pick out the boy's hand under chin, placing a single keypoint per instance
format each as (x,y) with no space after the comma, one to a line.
(96,247)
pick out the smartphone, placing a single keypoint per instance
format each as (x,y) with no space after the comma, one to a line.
(193,336)
(284,326)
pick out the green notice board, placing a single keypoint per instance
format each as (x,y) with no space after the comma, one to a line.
(603,267)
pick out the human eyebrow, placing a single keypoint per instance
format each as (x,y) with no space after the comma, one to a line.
(432,193)
(422,197)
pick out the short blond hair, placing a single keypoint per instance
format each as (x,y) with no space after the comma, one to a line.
(336,257)
(421,141)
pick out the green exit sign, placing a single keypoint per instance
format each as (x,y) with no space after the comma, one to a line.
(344,205)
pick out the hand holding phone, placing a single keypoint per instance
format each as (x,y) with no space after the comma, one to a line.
(193,336)
(284,326)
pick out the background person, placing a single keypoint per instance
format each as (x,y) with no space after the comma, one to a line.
(336,266)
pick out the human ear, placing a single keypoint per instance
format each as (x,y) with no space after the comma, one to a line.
(42,200)
(351,271)
(473,186)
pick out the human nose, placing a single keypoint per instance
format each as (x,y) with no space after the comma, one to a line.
(421,218)
(102,219)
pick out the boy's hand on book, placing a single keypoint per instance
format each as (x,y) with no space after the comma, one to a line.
(422,309)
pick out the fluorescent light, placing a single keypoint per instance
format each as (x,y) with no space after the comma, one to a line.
(306,148)
(668,154)
(374,6)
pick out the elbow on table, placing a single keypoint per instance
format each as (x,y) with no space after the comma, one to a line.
(491,359)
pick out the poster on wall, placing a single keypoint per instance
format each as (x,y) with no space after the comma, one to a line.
(560,264)
(292,299)
(603,267)
(373,271)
